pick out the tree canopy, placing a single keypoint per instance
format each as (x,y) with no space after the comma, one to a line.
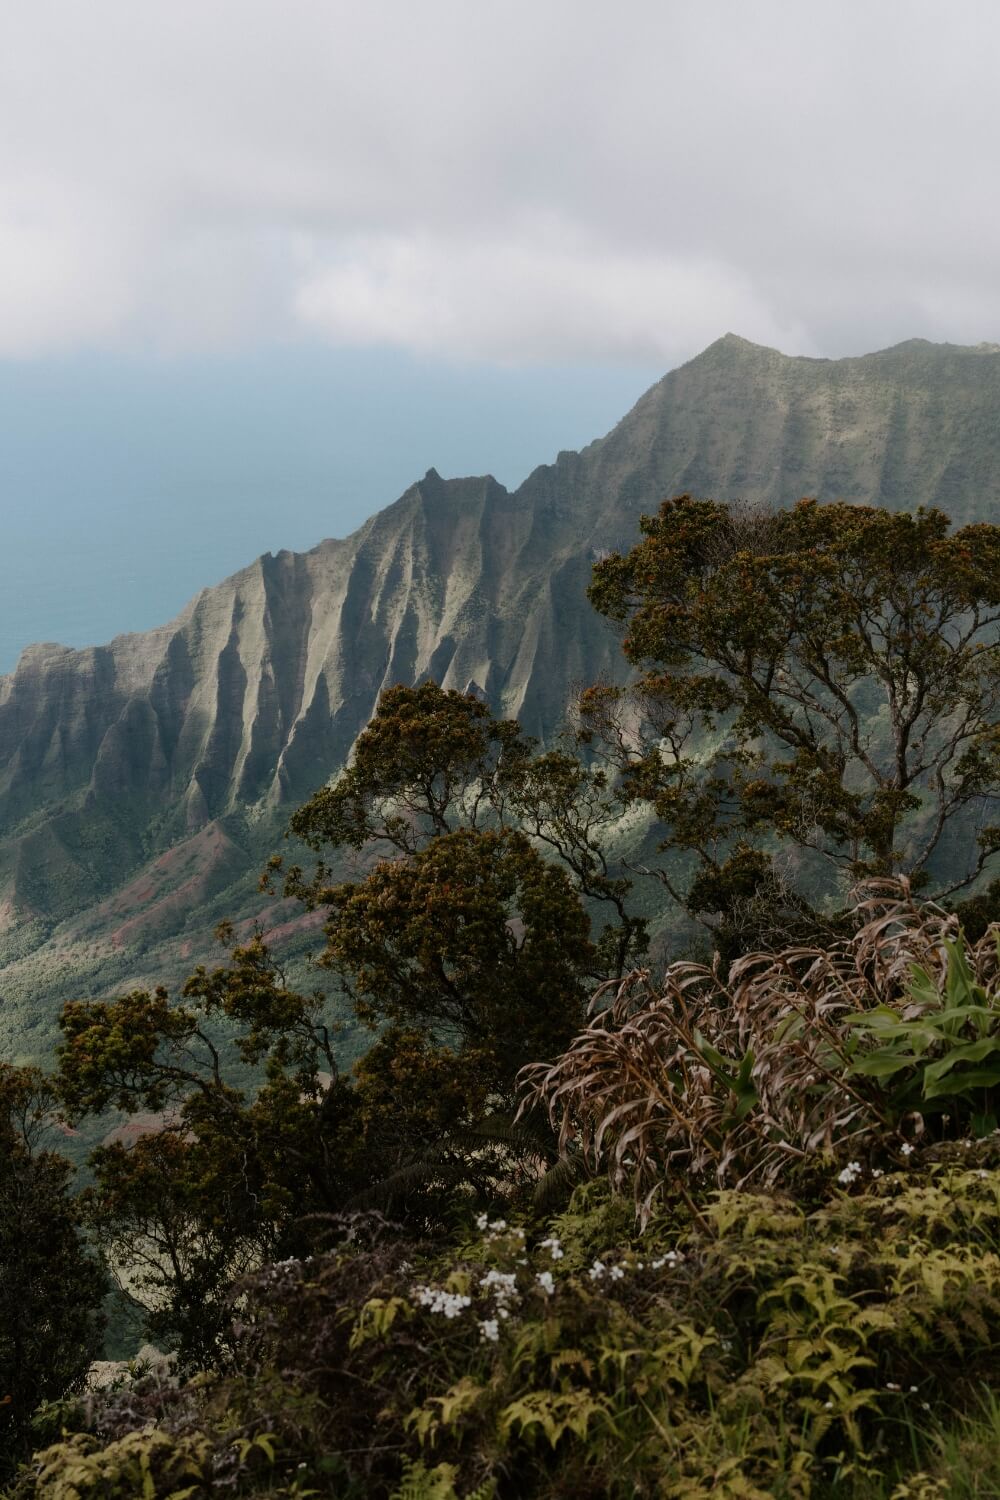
(51,1286)
(825,678)
(462,939)
(433,762)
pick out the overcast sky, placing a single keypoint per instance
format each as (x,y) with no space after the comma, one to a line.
(537,180)
(263,261)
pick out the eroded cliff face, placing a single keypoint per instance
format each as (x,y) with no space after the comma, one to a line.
(258,690)
(147,777)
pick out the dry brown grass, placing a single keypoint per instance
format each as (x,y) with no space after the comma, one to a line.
(699,1079)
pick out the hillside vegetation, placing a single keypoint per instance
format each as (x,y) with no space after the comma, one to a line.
(575,1222)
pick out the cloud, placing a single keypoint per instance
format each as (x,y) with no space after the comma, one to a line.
(564,181)
(63,275)
(531,298)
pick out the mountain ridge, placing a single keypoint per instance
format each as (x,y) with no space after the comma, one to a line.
(114,759)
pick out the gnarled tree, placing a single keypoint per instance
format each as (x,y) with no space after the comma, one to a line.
(826,678)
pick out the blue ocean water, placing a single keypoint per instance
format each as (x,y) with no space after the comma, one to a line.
(127,485)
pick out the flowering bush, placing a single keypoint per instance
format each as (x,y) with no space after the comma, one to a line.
(731,1339)
(759,1349)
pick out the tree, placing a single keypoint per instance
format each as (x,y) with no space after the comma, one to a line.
(220,1185)
(51,1286)
(433,762)
(464,944)
(825,678)
(475,939)
(472,931)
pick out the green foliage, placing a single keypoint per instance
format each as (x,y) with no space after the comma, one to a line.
(757,1349)
(468,953)
(193,1204)
(421,1483)
(730,1339)
(940,1054)
(51,1288)
(476,937)
(147,1465)
(434,763)
(823,678)
(799,1060)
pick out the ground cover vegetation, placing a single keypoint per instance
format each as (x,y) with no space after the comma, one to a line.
(574,1226)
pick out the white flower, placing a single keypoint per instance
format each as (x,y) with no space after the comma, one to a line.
(672,1258)
(597,1270)
(850,1174)
(503,1286)
(877,1172)
(616,1273)
(553,1247)
(481,1221)
(497,1226)
(544,1279)
(499,1279)
(489,1330)
(891,1385)
(907,1150)
(437,1300)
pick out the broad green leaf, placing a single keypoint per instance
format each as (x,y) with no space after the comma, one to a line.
(964,1083)
(965,1052)
(884,1063)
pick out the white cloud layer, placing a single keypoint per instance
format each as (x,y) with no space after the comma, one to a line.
(543,180)
(524,298)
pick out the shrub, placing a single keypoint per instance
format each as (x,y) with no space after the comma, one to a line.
(762,1350)
(884,1041)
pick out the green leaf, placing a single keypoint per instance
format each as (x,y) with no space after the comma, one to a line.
(965,1013)
(922,986)
(964,1083)
(884,1063)
(880,1019)
(967,1052)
